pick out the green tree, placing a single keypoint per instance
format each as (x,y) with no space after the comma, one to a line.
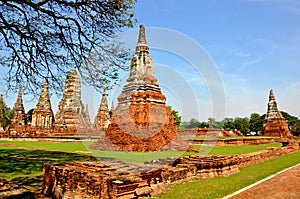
(193,123)
(293,122)
(228,123)
(213,123)
(203,125)
(44,38)
(6,114)
(242,124)
(177,117)
(256,122)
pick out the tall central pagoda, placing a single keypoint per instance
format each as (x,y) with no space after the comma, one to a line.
(141,121)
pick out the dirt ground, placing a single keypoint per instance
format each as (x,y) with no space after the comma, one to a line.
(285,185)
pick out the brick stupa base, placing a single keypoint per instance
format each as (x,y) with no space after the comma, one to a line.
(276,127)
(142,128)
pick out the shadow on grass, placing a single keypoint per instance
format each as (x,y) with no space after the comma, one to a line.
(25,167)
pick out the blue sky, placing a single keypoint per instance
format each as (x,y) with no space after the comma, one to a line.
(254,45)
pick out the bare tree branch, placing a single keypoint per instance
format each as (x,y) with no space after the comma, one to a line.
(47,38)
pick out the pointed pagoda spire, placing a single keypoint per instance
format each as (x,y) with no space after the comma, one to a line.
(19,100)
(142,44)
(274,124)
(87,114)
(19,111)
(42,115)
(102,118)
(272,107)
(1,99)
(112,108)
(271,96)
(44,100)
(104,100)
(142,36)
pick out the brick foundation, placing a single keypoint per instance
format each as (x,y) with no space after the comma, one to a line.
(115,179)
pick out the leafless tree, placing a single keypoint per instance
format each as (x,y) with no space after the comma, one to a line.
(46,38)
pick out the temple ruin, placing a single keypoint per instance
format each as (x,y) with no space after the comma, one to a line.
(42,115)
(19,111)
(102,118)
(141,121)
(274,124)
(71,114)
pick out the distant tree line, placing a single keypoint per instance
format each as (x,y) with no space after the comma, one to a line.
(244,124)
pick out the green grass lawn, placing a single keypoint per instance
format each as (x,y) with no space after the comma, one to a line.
(82,148)
(25,167)
(234,150)
(70,147)
(219,187)
(224,138)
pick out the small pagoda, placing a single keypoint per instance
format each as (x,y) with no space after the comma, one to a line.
(42,115)
(102,118)
(18,119)
(274,124)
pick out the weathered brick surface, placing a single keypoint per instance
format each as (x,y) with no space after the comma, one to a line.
(71,114)
(274,124)
(102,118)
(18,119)
(9,190)
(211,132)
(237,141)
(141,121)
(42,115)
(115,179)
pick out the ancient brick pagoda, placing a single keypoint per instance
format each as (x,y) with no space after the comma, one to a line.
(102,118)
(71,115)
(2,104)
(141,121)
(42,115)
(274,124)
(19,111)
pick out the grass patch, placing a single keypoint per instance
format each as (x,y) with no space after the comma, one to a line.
(235,150)
(139,156)
(224,138)
(82,148)
(220,187)
(69,147)
(25,167)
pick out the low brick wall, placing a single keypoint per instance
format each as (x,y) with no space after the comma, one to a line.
(115,179)
(13,191)
(211,132)
(237,141)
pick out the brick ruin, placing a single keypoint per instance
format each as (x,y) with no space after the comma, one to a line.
(8,190)
(18,121)
(71,114)
(71,119)
(102,118)
(19,111)
(2,103)
(274,124)
(210,132)
(116,179)
(141,121)
(42,115)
